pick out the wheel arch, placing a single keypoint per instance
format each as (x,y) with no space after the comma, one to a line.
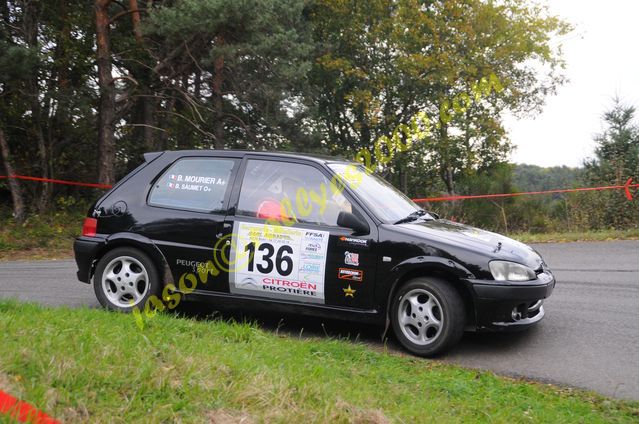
(139,242)
(444,269)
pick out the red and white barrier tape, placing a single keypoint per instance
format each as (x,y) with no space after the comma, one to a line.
(626,187)
(50,180)
(23,412)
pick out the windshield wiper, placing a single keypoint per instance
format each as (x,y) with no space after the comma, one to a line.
(412,217)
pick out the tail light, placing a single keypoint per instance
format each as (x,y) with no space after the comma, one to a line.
(90,227)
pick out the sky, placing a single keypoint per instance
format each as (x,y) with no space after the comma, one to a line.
(601,62)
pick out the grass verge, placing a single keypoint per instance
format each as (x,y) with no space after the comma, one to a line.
(92,365)
(40,237)
(604,235)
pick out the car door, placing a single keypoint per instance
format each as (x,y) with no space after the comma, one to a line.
(187,207)
(286,244)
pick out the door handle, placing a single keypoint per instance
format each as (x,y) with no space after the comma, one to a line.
(225,227)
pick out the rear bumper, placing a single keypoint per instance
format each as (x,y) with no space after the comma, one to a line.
(86,250)
(510,306)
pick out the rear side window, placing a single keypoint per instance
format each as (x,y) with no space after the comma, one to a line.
(199,184)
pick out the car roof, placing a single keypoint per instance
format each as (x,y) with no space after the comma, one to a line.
(316,157)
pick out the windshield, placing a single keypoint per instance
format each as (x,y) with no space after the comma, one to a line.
(388,203)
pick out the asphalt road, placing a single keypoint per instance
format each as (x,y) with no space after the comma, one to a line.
(589,338)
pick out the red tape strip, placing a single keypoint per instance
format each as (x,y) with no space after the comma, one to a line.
(22,411)
(50,180)
(626,187)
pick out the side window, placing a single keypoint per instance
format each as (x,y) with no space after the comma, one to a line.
(199,184)
(291,191)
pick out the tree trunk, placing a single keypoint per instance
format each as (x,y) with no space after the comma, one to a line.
(30,30)
(448,180)
(446,170)
(14,185)
(135,20)
(403,177)
(163,137)
(365,132)
(106,124)
(218,101)
(59,128)
(45,194)
(149,105)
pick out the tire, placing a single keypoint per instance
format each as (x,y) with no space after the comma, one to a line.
(123,275)
(428,316)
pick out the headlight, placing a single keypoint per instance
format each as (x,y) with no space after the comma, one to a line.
(511,271)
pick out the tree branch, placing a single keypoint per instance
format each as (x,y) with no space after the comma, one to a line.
(124,13)
(145,125)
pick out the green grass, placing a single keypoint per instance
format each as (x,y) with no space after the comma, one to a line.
(562,237)
(40,237)
(92,365)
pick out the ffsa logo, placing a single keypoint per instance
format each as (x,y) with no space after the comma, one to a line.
(313,235)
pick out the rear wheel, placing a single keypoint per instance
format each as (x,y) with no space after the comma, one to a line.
(125,277)
(428,316)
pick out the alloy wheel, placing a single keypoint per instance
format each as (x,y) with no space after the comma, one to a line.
(125,281)
(420,317)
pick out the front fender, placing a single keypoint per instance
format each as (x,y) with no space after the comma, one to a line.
(415,266)
(430,262)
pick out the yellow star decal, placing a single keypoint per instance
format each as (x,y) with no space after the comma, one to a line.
(349,291)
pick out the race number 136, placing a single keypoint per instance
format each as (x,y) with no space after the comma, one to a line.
(264,258)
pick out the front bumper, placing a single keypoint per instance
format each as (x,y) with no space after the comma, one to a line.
(511,306)
(86,250)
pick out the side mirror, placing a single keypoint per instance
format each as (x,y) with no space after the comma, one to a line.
(349,220)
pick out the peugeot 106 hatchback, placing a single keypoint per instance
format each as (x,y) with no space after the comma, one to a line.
(305,234)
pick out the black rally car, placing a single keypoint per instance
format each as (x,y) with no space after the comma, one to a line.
(305,234)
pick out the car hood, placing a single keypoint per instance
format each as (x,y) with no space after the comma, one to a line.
(459,236)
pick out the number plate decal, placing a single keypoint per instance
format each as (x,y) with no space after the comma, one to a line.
(278,262)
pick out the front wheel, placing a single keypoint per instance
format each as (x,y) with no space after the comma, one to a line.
(428,316)
(125,277)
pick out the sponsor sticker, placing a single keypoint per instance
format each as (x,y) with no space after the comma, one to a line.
(351,258)
(349,291)
(352,241)
(248,281)
(350,274)
(312,247)
(278,262)
(312,267)
(316,256)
